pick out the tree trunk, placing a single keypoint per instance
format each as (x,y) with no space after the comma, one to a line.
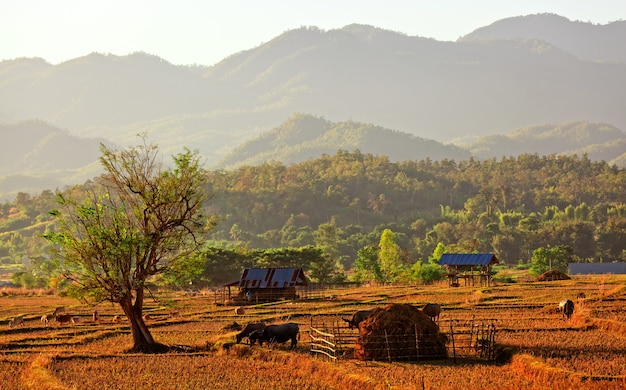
(142,338)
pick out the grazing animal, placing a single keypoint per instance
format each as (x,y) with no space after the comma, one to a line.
(240,310)
(17,321)
(59,310)
(432,310)
(45,319)
(566,307)
(147,317)
(248,330)
(64,318)
(357,318)
(276,334)
(75,320)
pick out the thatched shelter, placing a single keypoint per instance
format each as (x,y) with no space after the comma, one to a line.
(399,332)
(552,275)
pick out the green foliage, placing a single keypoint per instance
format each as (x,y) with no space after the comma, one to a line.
(389,256)
(427,273)
(440,249)
(509,207)
(556,258)
(367,266)
(27,279)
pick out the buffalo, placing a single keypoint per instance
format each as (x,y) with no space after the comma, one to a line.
(17,321)
(64,318)
(432,310)
(357,318)
(276,333)
(252,327)
(566,307)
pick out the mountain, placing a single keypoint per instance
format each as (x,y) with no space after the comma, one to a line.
(421,87)
(304,137)
(587,41)
(35,155)
(598,140)
(434,90)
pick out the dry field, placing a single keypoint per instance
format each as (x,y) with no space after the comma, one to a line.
(545,351)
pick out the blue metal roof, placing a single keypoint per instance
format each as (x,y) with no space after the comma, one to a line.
(468,259)
(272,278)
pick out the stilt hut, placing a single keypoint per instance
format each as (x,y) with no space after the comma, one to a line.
(266,285)
(471,268)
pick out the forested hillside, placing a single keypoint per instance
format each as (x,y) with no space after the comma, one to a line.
(343,202)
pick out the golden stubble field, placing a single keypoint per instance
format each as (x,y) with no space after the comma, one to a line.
(545,351)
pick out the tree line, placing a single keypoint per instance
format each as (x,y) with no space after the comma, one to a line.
(335,209)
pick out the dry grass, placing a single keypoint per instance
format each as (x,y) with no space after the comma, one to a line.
(547,351)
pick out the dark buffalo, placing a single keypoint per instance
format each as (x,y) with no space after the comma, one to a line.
(276,334)
(357,318)
(432,310)
(249,329)
(566,307)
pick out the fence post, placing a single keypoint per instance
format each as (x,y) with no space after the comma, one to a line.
(417,343)
(387,345)
(453,347)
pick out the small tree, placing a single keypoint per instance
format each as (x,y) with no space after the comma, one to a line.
(556,258)
(389,256)
(367,266)
(136,222)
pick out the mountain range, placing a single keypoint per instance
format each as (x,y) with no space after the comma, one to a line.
(537,83)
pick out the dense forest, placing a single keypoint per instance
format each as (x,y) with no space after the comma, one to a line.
(343,203)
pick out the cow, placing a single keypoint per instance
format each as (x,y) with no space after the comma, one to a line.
(64,318)
(249,329)
(357,318)
(58,310)
(17,321)
(276,334)
(566,307)
(432,310)
(45,319)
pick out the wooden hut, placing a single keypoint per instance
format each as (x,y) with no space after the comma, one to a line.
(266,284)
(471,268)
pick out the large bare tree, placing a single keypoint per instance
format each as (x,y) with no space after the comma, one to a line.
(137,220)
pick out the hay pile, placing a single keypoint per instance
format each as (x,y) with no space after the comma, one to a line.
(399,332)
(552,275)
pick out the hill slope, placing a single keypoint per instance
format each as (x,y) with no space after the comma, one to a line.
(303,137)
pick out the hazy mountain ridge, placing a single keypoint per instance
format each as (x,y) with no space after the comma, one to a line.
(418,87)
(587,41)
(302,137)
(599,141)
(36,156)
(436,90)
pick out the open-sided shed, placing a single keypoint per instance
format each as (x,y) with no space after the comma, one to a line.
(473,268)
(267,284)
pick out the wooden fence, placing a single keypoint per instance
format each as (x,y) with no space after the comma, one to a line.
(335,341)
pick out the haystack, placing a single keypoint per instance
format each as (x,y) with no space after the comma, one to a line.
(399,332)
(552,275)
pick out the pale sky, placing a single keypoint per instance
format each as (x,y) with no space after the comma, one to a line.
(203,32)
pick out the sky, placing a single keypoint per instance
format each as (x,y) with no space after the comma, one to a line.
(203,32)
